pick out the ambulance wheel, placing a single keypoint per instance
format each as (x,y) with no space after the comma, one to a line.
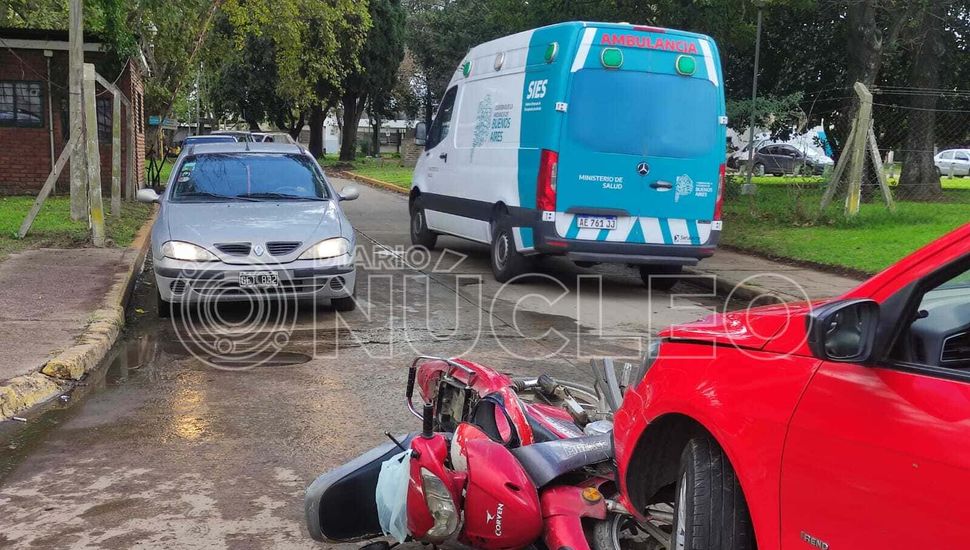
(660,277)
(420,234)
(507,262)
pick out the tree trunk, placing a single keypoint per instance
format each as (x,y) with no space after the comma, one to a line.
(863,59)
(353,107)
(375,136)
(317,117)
(919,179)
(428,108)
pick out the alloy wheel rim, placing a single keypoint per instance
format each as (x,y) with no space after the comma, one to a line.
(501,251)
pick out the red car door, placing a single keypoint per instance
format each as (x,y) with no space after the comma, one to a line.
(879,456)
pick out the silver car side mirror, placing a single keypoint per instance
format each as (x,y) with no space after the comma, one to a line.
(147,195)
(349,193)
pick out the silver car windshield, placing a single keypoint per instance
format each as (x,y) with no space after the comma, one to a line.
(248,176)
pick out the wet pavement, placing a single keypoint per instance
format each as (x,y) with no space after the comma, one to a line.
(183,446)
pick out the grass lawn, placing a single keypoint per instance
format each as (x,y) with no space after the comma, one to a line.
(777,222)
(53,226)
(385,169)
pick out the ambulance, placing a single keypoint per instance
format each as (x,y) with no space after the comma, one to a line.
(600,142)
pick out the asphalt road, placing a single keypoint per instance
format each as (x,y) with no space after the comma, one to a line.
(172,446)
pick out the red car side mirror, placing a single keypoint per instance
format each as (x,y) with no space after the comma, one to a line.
(844,331)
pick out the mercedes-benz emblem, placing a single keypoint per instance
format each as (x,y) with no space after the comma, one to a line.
(643,168)
(258,250)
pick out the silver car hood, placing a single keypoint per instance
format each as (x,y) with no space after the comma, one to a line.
(209,224)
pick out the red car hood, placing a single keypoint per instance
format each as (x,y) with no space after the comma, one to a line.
(778,328)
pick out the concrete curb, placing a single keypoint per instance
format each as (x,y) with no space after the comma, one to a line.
(93,345)
(375,183)
(736,289)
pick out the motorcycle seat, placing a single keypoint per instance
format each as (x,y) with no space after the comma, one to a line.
(546,461)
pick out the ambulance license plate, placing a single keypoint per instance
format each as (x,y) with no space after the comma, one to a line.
(596,222)
(259,279)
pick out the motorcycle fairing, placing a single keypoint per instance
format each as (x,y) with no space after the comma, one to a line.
(340,505)
(501,503)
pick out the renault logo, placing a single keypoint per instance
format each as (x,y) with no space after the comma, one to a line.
(643,168)
(258,250)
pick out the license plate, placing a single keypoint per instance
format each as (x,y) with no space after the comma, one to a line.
(259,279)
(596,222)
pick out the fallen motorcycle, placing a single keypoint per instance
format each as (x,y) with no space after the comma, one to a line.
(500,462)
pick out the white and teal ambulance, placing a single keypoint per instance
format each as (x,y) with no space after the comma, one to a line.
(602,142)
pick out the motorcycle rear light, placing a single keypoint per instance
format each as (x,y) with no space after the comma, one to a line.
(719,204)
(441,506)
(546,183)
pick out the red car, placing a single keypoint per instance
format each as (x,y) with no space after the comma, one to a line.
(842,424)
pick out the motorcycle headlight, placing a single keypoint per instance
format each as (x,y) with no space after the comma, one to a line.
(178,250)
(438,499)
(329,248)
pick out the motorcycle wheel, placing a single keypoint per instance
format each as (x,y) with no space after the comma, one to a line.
(621,532)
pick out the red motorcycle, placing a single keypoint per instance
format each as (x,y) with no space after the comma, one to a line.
(501,462)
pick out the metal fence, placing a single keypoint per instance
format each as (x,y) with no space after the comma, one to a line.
(918,134)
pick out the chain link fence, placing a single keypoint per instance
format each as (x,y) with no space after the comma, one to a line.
(924,153)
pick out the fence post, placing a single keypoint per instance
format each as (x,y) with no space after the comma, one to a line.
(858,159)
(887,193)
(116,154)
(95,206)
(839,170)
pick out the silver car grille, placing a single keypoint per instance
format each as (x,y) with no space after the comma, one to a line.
(234,249)
(282,248)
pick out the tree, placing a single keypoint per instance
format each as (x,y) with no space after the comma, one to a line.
(374,81)
(281,60)
(919,178)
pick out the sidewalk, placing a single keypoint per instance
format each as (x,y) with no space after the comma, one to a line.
(60,312)
(750,276)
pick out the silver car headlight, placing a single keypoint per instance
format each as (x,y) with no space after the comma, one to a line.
(179,250)
(329,248)
(442,508)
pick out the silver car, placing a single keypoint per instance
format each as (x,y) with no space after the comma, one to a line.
(240,221)
(953,161)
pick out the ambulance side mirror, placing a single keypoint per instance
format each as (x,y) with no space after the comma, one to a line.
(421,134)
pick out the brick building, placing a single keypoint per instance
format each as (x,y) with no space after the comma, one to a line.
(34,110)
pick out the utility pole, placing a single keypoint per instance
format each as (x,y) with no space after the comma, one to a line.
(79,203)
(93,157)
(748,188)
(198,101)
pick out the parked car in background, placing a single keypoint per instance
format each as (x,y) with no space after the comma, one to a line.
(207,138)
(247,221)
(240,135)
(273,137)
(814,424)
(953,161)
(781,158)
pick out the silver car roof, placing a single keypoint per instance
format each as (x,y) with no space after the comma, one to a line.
(243,147)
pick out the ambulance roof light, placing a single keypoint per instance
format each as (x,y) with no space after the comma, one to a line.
(649,29)
(611,58)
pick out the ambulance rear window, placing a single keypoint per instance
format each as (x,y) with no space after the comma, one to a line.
(643,114)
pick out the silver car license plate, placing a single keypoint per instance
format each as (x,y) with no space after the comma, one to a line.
(596,222)
(259,279)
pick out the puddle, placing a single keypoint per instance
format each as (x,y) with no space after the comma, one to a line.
(258,359)
(125,359)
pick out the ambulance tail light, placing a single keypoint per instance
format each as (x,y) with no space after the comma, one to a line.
(718,205)
(546,184)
